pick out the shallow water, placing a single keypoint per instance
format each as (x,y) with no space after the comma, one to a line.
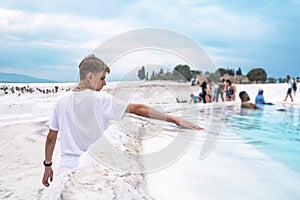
(273,132)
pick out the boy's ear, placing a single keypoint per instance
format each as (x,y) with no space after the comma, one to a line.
(89,76)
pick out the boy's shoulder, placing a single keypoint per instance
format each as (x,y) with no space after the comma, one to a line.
(64,96)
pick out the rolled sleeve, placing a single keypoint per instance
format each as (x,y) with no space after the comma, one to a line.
(53,125)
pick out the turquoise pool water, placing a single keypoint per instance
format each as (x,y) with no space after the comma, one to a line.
(272,132)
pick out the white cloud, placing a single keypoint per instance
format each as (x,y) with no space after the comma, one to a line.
(59,30)
(9,70)
(199,19)
(227,60)
(208,21)
(222,56)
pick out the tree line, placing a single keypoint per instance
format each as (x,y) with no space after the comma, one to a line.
(184,73)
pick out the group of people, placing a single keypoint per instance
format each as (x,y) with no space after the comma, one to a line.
(211,91)
(259,99)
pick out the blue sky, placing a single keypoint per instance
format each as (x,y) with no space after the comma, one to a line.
(49,40)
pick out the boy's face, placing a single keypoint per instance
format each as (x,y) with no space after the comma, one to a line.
(100,78)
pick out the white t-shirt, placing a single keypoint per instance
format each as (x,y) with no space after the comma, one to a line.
(291,81)
(82,117)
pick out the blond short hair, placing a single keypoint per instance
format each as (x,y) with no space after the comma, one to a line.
(92,64)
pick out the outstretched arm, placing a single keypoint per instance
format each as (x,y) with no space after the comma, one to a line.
(49,148)
(250,106)
(149,112)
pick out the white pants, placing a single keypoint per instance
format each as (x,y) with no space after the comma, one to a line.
(68,163)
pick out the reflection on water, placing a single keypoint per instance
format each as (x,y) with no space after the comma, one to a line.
(273,132)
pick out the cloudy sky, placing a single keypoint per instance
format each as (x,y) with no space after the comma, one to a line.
(49,40)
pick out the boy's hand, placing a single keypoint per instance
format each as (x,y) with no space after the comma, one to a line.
(185,124)
(48,174)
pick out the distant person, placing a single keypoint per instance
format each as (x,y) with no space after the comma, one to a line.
(193,81)
(245,101)
(229,91)
(295,86)
(82,115)
(260,100)
(234,91)
(220,91)
(195,99)
(214,89)
(209,92)
(200,96)
(290,87)
(204,90)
